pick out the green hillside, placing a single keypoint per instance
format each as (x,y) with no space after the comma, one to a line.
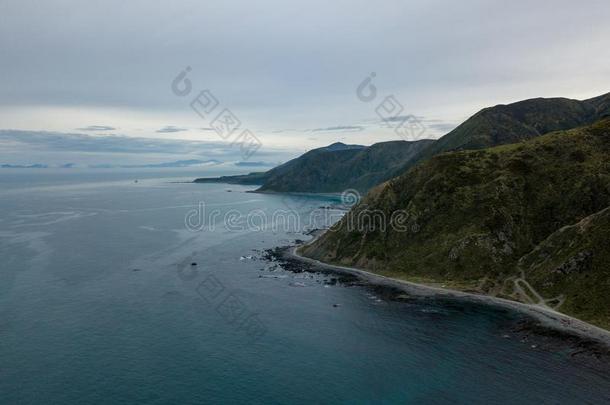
(339,167)
(472,215)
(515,122)
(334,171)
(573,264)
(333,168)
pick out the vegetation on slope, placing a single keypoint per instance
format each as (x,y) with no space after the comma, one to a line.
(333,168)
(515,122)
(472,215)
(339,167)
(324,171)
(573,263)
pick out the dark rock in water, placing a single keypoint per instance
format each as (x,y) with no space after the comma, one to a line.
(333,281)
(297,284)
(590,352)
(281,256)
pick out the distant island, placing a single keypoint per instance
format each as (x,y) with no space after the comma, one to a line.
(175,164)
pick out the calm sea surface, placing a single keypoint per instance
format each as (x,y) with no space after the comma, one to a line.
(99,303)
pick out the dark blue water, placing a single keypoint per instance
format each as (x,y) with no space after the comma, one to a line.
(99,303)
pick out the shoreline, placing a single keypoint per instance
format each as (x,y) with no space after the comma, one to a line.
(547,317)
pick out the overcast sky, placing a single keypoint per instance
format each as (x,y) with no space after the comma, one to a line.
(289,70)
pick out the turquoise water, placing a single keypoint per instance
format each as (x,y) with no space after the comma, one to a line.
(99,303)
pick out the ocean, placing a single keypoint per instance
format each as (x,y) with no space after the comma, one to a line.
(142,288)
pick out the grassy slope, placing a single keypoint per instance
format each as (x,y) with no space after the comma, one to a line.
(472,215)
(335,152)
(323,171)
(574,261)
(339,167)
(515,122)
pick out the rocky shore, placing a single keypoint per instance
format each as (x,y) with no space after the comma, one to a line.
(538,327)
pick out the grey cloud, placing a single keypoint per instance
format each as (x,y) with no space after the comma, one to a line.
(254,164)
(442,127)
(337,128)
(438,126)
(56,141)
(398,118)
(97,128)
(342,128)
(177,163)
(445,57)
(17,147)
(170,129)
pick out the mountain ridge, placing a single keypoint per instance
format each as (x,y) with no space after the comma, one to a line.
(338,167)
(473,215)
(331,169)
(515,122)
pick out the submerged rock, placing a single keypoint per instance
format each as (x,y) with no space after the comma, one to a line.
(297,284)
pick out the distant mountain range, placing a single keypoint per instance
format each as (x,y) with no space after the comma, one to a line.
(177,163)
(338,167)
(30,166)
(333,168)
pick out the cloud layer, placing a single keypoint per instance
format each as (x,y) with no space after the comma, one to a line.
(27,147)
(275,64)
